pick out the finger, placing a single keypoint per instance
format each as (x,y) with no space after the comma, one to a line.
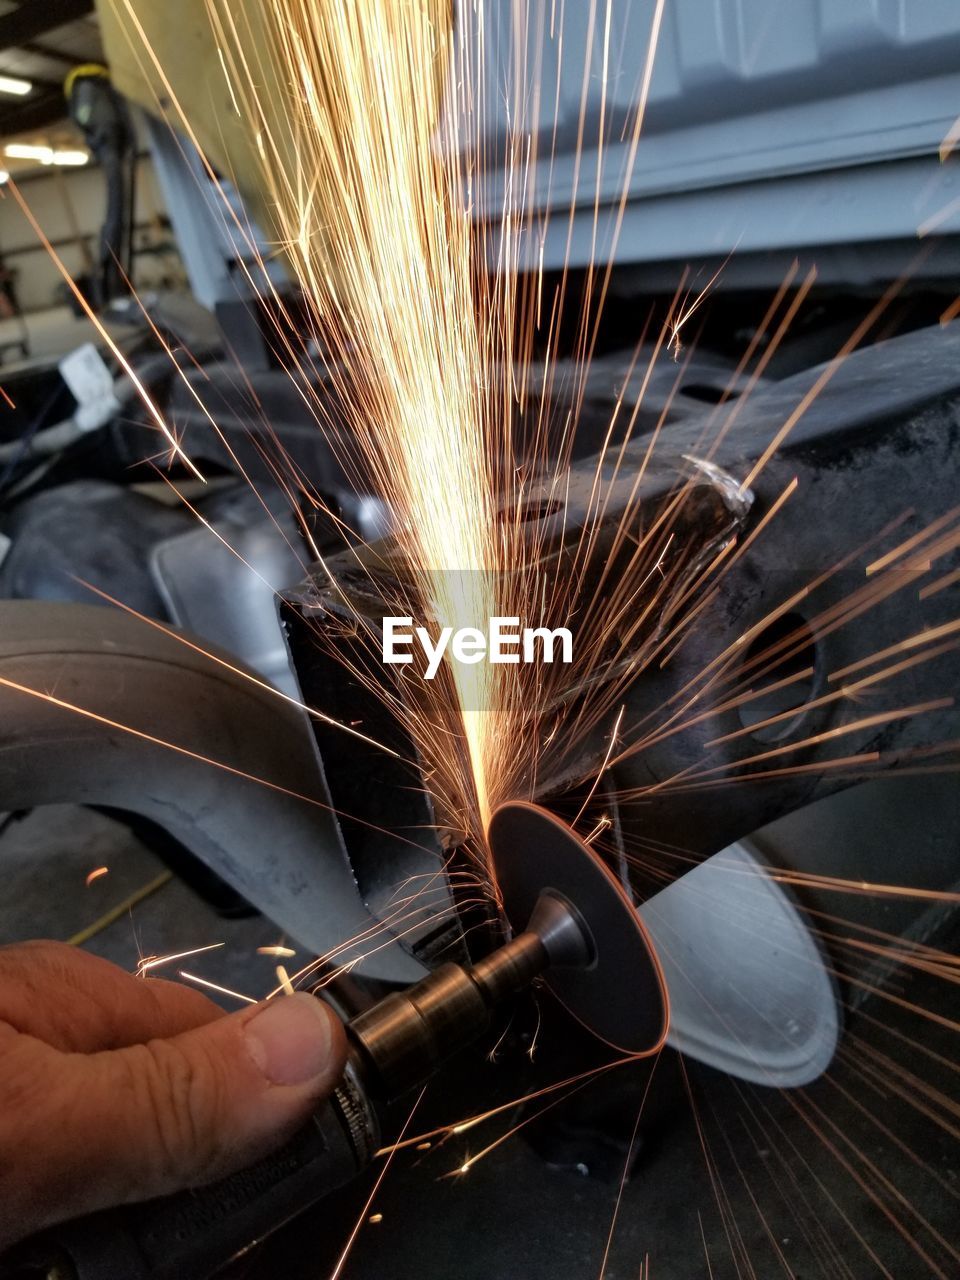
(150,1119)
(80,1003)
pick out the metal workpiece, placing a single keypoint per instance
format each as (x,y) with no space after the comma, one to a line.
(873,437)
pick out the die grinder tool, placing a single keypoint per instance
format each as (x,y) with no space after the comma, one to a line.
(583,939)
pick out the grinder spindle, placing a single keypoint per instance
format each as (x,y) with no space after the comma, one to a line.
(403,1039)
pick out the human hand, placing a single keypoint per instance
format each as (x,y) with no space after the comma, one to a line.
(115,1088)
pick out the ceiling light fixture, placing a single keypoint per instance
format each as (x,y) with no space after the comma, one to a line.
(11,84)
(46,155)
(68,157)
(29,151)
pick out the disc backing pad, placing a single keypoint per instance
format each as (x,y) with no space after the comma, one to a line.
(620,997)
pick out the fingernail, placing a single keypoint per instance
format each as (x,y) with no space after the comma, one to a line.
(290,1039)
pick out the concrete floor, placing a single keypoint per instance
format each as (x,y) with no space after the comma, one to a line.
(852,1178)
(46,857)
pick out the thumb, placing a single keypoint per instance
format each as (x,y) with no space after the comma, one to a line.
(154,1118)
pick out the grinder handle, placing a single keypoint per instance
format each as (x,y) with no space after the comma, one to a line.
(189,1235)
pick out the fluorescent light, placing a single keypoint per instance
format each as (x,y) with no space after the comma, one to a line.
(44,154)
(28,151)
(10,84)
(70,157)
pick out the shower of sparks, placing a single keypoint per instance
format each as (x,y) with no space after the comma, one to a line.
(427,354)
(431,357)
(96,874)
(362,190)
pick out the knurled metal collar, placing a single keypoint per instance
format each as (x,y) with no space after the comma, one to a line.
(359,1117)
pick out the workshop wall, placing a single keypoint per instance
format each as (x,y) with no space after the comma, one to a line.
(69,206)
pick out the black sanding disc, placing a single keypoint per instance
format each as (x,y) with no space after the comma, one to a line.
(620,997)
